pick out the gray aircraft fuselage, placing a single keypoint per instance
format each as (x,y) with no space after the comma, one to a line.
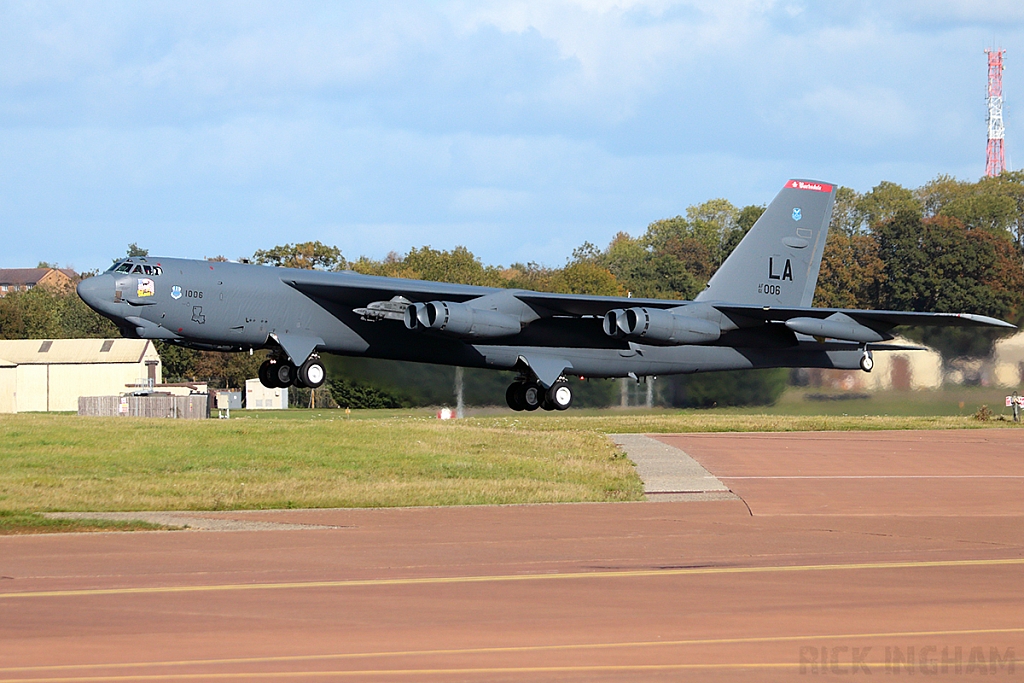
(237,306)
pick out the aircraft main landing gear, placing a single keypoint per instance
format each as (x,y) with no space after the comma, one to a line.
(276,373)
(529,395)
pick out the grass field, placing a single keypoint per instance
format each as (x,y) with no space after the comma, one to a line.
(321,458)
(63,462)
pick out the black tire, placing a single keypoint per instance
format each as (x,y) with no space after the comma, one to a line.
(531,396)
(512,396)
(266,378)
(283,374)
(312,374)
(559,396)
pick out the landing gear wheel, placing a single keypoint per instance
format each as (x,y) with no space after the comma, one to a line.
(312,374)
(559,396)
(265,374)
(513,396)
(283,374)
(867,362)
(530,396)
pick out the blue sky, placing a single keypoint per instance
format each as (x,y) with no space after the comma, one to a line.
(517,129)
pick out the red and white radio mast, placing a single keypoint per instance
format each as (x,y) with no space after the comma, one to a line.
(995,158)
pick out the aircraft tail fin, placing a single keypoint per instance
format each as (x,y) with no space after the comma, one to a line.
(777,262)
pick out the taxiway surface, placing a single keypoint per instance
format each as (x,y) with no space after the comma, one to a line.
(842,553)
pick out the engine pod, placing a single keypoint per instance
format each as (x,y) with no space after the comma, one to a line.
(462,320)
(656,326)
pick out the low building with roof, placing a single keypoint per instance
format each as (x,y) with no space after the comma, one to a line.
(38,375)
(24,279)
(1007,364)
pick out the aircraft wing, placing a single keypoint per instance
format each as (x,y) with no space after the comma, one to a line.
(873,319)
(585,304)
(577,305)
(357,289)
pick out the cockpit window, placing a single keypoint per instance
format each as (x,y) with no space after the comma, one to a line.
(135,268)
(113,265)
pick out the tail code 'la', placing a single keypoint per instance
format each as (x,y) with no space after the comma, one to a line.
(777,262)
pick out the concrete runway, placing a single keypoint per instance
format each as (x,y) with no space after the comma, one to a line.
(844,553)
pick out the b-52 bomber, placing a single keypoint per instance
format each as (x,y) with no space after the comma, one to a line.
(755,313)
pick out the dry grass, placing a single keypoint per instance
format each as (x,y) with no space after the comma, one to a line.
(67,463)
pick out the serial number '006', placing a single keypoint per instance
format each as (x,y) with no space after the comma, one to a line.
(774,290)
(193,294)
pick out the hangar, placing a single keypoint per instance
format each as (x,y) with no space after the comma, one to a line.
(50,374)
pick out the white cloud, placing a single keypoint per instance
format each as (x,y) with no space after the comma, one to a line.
(227,127)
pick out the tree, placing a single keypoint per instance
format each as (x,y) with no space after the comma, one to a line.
(178,362)
(43,313)
(306,255)
(886,200)
(937,264)
(851,272)
(458,266)
(847,219)
(349,394)
(748,216)
(646,273)
(12,323)
(713,223)
(585,277)
(936,194)
(135,250)
(730,388)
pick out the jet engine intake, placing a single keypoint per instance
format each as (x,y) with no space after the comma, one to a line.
(460,320)
(657,326)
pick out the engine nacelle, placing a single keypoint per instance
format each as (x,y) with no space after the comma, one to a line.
(836,326)
(460,320)
(656,326)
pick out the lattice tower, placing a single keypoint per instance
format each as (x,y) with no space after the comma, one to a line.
(995,156)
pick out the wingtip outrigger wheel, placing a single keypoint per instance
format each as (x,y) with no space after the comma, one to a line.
(866,361)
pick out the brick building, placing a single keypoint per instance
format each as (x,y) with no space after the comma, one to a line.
(24,279)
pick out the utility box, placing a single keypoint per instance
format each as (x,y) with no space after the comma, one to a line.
(260,397)
(229,400)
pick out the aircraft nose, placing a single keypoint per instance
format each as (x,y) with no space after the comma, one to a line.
(97,292)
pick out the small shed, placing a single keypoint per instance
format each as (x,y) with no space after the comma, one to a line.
(259,396)
(38,375)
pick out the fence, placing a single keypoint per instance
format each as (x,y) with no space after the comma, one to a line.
(194,407)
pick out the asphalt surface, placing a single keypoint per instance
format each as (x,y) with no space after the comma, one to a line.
(842,554)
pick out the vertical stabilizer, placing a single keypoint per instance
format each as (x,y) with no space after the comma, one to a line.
(777,262)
